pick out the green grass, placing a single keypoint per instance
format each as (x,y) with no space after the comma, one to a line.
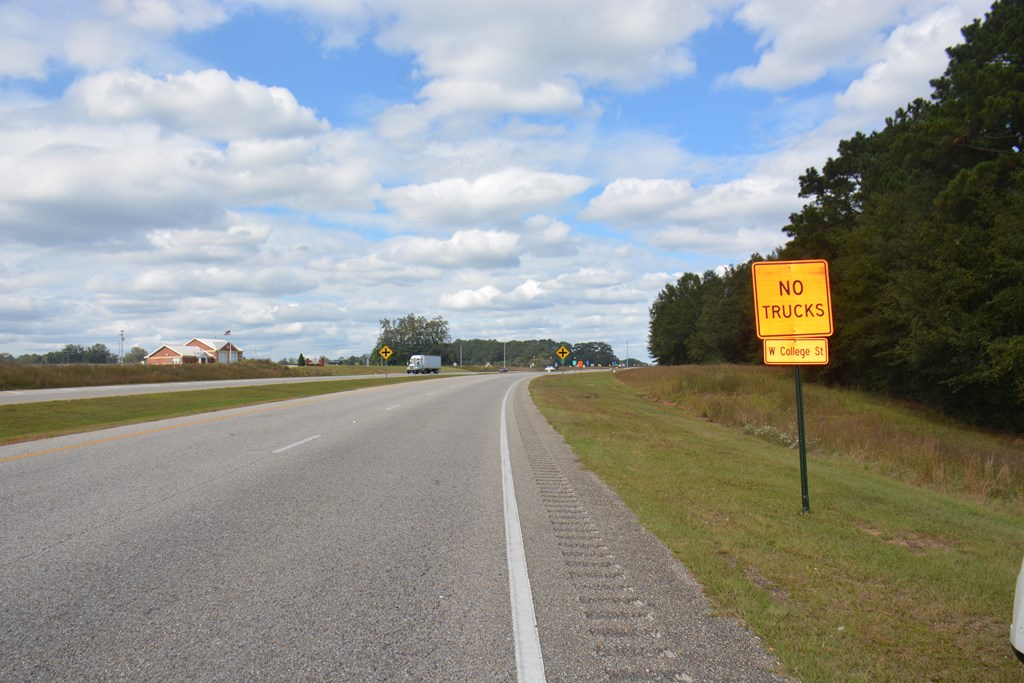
(889,437)
(887,579)
(25,421)
(20,377)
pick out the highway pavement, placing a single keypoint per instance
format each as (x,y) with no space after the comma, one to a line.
(74,393)
(427,531)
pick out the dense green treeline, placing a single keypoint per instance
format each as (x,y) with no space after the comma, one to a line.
(97,354)
(416,334)
(534,352)
(922,224)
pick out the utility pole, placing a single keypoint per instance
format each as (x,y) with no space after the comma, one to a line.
(120,355)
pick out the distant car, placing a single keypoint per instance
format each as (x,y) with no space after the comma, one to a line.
(550,368)
(503,370)
(1017,627)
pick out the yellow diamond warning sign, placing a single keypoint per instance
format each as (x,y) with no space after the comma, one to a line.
(792,299)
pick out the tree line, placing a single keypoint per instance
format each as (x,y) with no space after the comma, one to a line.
(98,354)
(922,224)
(415,334)
(406,336)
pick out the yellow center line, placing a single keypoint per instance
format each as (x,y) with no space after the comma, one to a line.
(192,423)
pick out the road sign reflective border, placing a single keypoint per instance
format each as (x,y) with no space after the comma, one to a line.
(802,351)
(792,299)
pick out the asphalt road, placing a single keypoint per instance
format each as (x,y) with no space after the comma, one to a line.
(361,536)
(73,393)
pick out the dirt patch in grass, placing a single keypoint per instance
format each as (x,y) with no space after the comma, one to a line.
(916,542)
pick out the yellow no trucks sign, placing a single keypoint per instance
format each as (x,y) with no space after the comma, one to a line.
(792,299)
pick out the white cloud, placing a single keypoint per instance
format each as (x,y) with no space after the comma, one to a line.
(589,278)
(207,103)
(465,249)
(745,241)
(166,16)
(636,201)
(495,196)
(912,55)
(630,44)
(546,237)
(37,37)
(491,298)
(533,56)
(804,39)
(234,244)
(22,54)
(471,299)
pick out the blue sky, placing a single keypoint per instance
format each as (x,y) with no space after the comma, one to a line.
(297,170)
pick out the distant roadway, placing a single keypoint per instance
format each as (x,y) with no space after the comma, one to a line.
(70,393)
(422,531)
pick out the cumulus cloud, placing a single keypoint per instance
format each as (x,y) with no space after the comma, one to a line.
(736,217)
(208,103)
(589,279)
(42,35)
(630,44)
(520,57)
(166,16)
(634,202)
(465,249)
(911,56)
(234,244)
(489,297)
(262,281)
(471,299)
(50,187)
(638,201)
(412,259)
(494,196)
(547,237)
(162,166)
(804,39)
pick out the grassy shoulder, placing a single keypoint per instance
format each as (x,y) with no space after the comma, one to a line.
(27,421)
(889,578)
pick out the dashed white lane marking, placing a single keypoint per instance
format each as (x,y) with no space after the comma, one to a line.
(297,443)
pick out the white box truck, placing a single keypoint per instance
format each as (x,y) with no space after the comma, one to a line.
(420,364)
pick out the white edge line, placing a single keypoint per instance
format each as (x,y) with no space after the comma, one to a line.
(297,443)
(392,407)
(529,659)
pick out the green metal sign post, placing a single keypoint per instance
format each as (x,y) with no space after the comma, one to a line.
(802,438)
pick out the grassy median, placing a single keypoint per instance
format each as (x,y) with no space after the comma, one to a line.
(898,573)
(25,421)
